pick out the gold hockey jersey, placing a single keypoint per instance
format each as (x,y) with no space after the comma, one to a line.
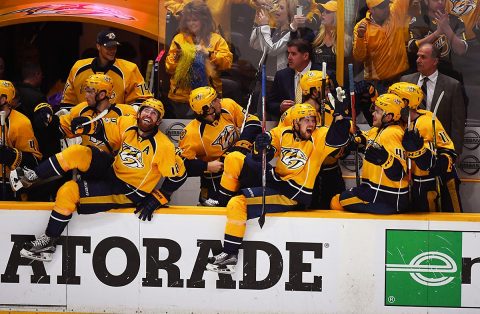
(298,161)
(142,162)
(128,83)
(19,134)
(390,138)
(209,142)
(82,109)
(425,128)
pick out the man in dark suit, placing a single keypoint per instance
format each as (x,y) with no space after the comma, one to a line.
(286,84)
(451,111)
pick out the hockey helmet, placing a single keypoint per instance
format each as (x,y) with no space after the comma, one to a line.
(7,89)
(300,111)
(155,104)
(311,79)
(410,93)
(99,83)
(201,98)
(390,104)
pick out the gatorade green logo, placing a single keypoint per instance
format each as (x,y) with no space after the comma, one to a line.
(432,268)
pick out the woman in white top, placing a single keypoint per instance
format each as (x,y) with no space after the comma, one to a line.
(275,41)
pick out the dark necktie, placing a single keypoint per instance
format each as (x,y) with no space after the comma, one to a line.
(424,89)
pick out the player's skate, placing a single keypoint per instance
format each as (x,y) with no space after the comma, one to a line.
(222,263)
(22,178)
(209,202)
(40,249)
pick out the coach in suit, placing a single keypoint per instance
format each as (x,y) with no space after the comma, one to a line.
(286,83)
(451,111)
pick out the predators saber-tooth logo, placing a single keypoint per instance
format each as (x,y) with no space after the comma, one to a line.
(463,7)
(293,158)
(131,156)
(227,137)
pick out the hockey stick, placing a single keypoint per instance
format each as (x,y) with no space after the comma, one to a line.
(252,90)
(261,220)
(354,121)
(437,179)
(4,169)
(409,164)
(100,115)
(324,82)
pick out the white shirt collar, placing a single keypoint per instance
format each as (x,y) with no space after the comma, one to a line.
(307,68)
(432,77)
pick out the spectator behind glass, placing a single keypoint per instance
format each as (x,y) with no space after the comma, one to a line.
(29,92)
(196,57)
(445,31)
(275,39)
(325,43)
(379,42)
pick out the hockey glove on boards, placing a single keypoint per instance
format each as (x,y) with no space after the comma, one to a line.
(377,155)
(152,202)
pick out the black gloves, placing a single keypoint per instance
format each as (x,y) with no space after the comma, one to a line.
(78,128)
(412,141)
(377,155)
(262,141)
(42,115)
(443,165)
(8,155)
(152,202)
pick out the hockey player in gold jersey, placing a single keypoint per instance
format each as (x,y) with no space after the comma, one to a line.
(384,185)
(428,161)
(145,156)
(300,150)
(215,132)
(98,94)
(128,83)
(329,181)
(20,147)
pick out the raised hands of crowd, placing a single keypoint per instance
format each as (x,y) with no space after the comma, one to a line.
(443,25)
(261,17)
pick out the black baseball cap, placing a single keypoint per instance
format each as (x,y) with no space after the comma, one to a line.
(107,38)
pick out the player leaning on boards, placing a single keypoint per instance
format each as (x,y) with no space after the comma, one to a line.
(98,90)
(20,148)
(145,155)
(384,184)
(430,158)
(301,149)
(217,130)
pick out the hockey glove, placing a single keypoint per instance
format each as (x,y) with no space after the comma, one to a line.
(78,128)
(377,155)
(443,165)
(152,202)
(42,115)
(262,141)
(8,155)
(413,143)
